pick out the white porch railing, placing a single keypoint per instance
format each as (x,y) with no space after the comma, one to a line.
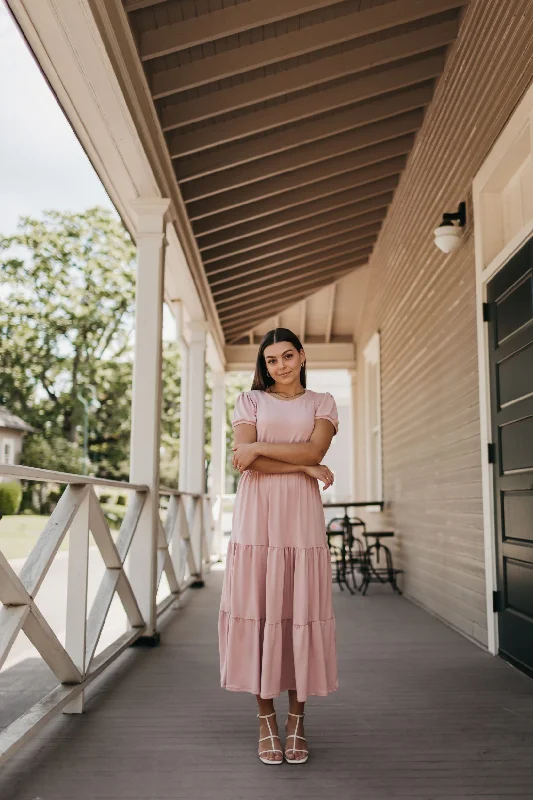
(183,551)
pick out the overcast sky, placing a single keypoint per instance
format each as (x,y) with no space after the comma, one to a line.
(42,164)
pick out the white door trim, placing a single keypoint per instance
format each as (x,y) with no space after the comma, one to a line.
(499,165)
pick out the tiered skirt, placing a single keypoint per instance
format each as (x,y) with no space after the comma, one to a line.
(276,623)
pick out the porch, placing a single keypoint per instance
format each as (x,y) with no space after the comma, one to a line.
(283,164)
(421,712)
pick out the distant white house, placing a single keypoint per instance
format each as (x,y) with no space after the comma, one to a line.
(12,432)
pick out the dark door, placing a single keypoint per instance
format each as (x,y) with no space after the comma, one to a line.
(510,314)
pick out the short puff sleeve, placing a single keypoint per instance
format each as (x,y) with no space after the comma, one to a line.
(327,409)
(245,410)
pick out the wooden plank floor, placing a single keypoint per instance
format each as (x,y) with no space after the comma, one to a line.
(420,713)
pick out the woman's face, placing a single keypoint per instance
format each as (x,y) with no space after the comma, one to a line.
(283,362)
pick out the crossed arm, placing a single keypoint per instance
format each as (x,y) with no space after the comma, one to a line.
(284,458)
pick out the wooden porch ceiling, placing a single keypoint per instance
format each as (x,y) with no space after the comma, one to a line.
(289,123)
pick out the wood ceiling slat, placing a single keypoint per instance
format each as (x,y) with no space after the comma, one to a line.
(297,180)
(276,222)
(234,330)
(135,5)
(242,317)
(280,287)
(353,25)
(288,165)
(316,73)
(356,90)
(360,224)
(305,156)
(308,227)
(300,196)
(236,283)
(234,155)
(219,24)
(357,215)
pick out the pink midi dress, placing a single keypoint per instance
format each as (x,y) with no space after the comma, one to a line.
(276,624)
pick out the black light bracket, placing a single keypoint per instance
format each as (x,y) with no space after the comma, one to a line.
(459,216)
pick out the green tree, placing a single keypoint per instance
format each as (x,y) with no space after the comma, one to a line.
(53,453)
(66,324)
(70,289)
(170,415)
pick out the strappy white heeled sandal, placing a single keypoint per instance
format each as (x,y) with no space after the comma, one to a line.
(271,736)
(295,736)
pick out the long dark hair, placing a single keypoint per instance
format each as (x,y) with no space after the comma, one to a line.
(262,379)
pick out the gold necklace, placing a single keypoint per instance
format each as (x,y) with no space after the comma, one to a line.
(287,396)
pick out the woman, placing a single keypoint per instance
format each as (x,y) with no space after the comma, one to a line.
(276,624)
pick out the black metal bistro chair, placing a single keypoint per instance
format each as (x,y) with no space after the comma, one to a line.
(374,570)
(347,552)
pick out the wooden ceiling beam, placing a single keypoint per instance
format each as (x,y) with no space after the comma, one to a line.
(249,299)
(235,284)
(135,5)
(305,156)
(282,299)
(356,215)
(351,26)
(369,223)
(233,331)
(289,244)
(305,180)
(277,223)
(317,72)
(302,108)
(278,142)
(219,24)
(302,195)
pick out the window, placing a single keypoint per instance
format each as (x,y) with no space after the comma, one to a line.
(8,451)
(372,378)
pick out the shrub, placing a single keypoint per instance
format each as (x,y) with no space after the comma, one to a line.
(121,500)
(105,498)
(10,497)
(114,515)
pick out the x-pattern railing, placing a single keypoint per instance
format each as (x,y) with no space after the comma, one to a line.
(183,548)
(188,523)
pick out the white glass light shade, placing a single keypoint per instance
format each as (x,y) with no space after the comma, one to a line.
(448,237)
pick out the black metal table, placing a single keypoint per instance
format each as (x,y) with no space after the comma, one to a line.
(371,572)
(353,504)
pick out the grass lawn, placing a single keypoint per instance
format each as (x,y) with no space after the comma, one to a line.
(19,533)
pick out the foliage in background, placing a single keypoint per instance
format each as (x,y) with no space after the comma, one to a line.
(70,284)
(170,415)
(10,497)
(66,325)
(41,452)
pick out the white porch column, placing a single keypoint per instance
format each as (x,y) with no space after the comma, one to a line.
(196,408)
(184,400)
(196,437)
(356,487)
(218,454)
(146,402)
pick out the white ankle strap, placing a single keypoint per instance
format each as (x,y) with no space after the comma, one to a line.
(295,715)
(270,736)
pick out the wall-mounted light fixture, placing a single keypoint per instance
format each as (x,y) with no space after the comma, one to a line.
(450,232)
